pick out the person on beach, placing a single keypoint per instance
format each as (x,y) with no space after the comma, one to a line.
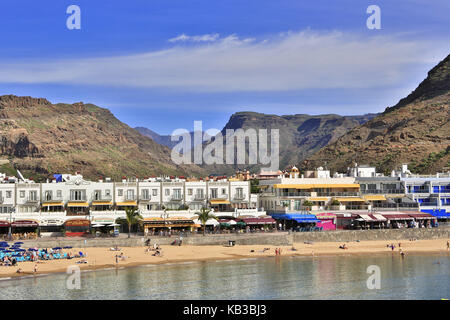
(117,259)
(448,245)
(35,268)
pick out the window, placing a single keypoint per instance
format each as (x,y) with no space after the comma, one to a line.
(59,193)
(97,194)
(48,195)
(77,195)
(177,193)
(108,193)
(239,193)
(120,192)
(155,192)
(200,193)
(130,194)
(167,192)
(145,194)
(214,193)
(224,191)
(8,194)
(189,192)
(22,194)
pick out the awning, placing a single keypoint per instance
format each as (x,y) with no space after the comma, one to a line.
(318,199)
(325,216)
(379,217)
(53,204)
(421,216)
(366,218)
(350,200)
(397,216)
(25,223)
(210,222)
(300,218)
(126,203)
(78,204)
(4,224)
(258,221)
(101,203)
(375,198)
(219,201)
(312,186)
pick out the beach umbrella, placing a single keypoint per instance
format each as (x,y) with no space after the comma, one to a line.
(57,248)
(18,242)
(68,247)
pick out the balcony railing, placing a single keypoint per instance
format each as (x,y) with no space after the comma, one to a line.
(387,191)
(394,205)
(295,194)
(337,194)
(32,199)
(130,197)
(145,197)
(101,198)
(199,197)
(53,199)
(78,199)
(176,198)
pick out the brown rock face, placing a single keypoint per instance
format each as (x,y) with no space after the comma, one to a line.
(415,131)
(41,138)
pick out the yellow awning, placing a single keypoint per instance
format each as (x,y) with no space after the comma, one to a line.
(127,203)
(313,186)
(78,204)
(350,199)
(101,203)
(375,198)
(53,204)
(318,199)
(219,201)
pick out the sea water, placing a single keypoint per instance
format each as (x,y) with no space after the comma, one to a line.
(327,277)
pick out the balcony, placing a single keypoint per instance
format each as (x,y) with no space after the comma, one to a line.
(387,191)
(101,198)
(130,197)
(295,194)
(78,199)
(53,199)
(145,197)
(176,198)
(32,199)
(199,197)
(337,194)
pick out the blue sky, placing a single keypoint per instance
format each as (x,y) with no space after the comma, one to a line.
(164,63)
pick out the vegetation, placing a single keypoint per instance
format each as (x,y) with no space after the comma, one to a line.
(204,215)
(132,218)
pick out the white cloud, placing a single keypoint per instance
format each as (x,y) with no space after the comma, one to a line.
(289,61)
(201,38)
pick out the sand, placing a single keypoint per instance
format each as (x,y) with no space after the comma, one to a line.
(100,258)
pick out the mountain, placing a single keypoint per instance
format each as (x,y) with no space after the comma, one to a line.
(41,138)
(301,135)
(165,140)
(416,131)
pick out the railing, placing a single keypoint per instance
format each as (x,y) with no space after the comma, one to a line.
(32,199)
(53,199)
(387,191)
(146,197)
(394,205)
(359,207)
(130,197)
(295,194)
(239,197)
(199,197)
(101,198)
(419,191)
(337,194)
(176,198)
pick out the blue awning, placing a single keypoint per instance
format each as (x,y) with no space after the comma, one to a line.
(300,218)
(438,213)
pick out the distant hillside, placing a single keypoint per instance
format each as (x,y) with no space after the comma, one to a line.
(165,140)
(301,135)
(41,138)
(416,131)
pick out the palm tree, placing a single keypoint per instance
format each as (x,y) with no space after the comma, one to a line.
(133,217)
(204,216)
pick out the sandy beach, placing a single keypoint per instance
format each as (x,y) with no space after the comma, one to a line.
(99,258)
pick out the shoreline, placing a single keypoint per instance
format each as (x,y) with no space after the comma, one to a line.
(101,258)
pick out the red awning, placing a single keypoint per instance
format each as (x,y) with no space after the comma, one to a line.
(4,224)
(421,216)
(25,223)
(397,216)
(251,221)
(377,217)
